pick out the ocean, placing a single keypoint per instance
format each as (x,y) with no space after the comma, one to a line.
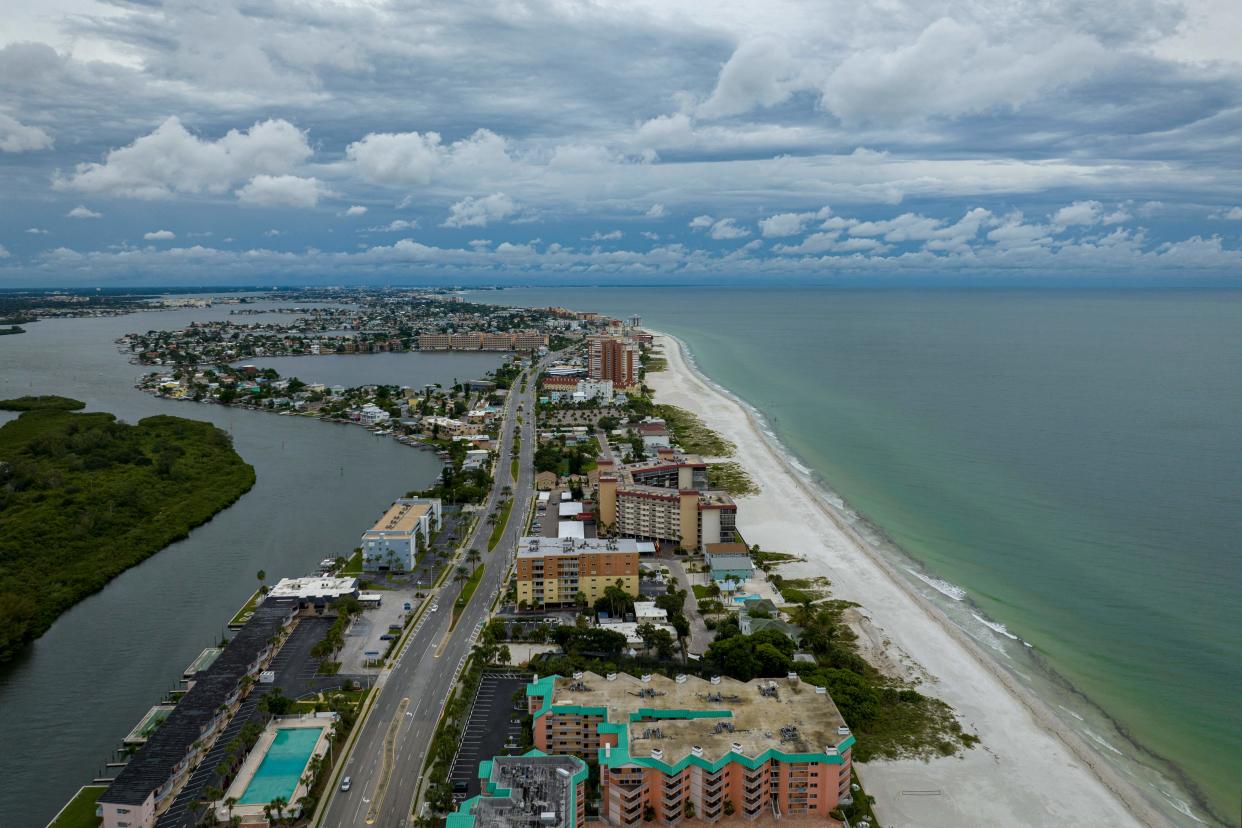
(1062,467)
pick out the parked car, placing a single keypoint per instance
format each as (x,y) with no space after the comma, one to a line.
(434,607)
(387,637)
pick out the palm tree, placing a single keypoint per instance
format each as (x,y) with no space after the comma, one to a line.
(229,803)
(278,805)
(460,573)
(473,556)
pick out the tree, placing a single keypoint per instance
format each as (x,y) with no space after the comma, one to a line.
(503,655)
(460,573)
(278,805)
(473,556)
(262,576)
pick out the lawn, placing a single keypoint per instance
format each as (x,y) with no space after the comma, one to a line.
(498,529)
(79,812)
(353,567)
(247,609)
(467,592)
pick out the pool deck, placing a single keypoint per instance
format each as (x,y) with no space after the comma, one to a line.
(245,774)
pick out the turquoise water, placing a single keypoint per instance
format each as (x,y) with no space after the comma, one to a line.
(1069,460)
(282,766)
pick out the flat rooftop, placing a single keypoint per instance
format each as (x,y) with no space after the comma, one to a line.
(532,791)
(314,587)
(787,715)
(401,517)
(534,546)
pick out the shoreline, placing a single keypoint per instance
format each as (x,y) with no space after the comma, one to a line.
(1075,784)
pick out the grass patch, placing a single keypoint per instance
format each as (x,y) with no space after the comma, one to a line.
(467,592)
(801,590)
(79,812)
(731,477)
(84,497)
(692,435)
(767,560)
(247,609)
(702,591)
(353,566)
(498,528)
(513,469)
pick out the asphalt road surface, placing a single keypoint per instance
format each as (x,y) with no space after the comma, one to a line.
(413,692)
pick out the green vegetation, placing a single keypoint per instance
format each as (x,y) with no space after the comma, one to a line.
(243,614)
(556,456)
(705,591)
(40,403)
(84,497)
(470,584)
(692,435)
(890,719)
(731,477)
(79,812)
(353,567)
(498,527)
(767,560)
(12,330)
(513,469)
(800,590)
(447,739)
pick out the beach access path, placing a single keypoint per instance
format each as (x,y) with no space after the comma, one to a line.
(1029,770)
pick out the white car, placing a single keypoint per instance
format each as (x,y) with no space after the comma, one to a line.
(346,783)
(435,607)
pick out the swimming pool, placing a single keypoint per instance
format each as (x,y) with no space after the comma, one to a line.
(282,766)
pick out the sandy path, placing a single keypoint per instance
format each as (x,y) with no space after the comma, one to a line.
(1029,770)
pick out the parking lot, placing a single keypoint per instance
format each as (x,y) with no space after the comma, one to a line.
(494,728)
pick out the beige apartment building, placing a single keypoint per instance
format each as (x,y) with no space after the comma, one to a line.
(665,500)
(552,571)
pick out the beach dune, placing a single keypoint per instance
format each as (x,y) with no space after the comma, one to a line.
(1029,770)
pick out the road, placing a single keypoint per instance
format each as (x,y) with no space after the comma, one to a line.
(412,693)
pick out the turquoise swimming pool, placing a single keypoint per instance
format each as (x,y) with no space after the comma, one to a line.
(282,766)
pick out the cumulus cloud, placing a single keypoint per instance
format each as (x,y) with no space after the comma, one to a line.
(656,211)
(479,212)
(416,159)
(283,191)
(82,212)
(789,224)
(18,137)
(760,73)
(160,235)
(36,231)
(727,229)
(1232,214)
(1079,213)
(612,235)
(700,222)
(355,210)
(171,160)
(4,252)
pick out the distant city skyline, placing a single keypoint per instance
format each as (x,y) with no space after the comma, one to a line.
(388,142)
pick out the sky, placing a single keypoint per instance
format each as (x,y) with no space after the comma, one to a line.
(384,141)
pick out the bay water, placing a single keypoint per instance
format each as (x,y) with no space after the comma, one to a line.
(66,702)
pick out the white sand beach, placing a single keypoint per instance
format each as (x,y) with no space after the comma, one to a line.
(1030,770)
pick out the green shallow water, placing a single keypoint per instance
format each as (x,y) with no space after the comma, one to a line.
(1072,459)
